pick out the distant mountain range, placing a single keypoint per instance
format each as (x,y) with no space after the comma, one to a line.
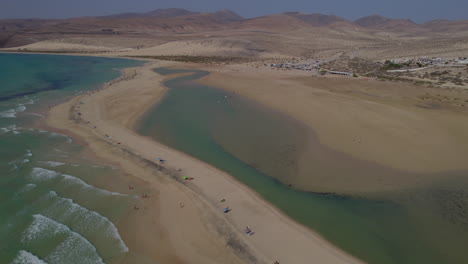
(380,22)
(176,20)
(221,16)
(296,18)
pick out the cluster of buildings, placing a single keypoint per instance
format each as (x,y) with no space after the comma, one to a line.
(299,66)
(463,60)
(339,73)
(431,61)
(421,63)
(310,66)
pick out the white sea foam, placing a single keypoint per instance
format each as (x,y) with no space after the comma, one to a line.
(52,163)
(41,174)
(26,101)
(36,114)
(84,185)
(25,161)
(10,128)
(88,223)
(28,153)
(25,257)
(10,113)
(43,227)
(74,249)
(20,108)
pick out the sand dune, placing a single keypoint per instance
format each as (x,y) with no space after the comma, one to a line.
(59,46)
(210,47)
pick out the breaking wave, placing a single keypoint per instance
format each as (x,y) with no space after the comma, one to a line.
(10,128)
(10,113)
(87,222)
(52,163)
(41,174)
(73,249)
(25,257)
(20,108)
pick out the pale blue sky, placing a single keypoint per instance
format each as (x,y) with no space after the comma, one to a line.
(417,10)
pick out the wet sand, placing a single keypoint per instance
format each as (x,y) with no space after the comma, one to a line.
(366,136)
(182,221)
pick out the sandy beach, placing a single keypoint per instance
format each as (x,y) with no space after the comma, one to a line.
(332,140)
(182,221)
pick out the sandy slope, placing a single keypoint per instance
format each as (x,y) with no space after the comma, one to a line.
(182,222)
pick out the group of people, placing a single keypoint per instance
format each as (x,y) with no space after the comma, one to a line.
(249,231)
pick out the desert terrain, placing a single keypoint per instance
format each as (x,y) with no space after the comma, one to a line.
(224,33)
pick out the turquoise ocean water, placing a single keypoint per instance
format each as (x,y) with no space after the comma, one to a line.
(52,209)
(248,141)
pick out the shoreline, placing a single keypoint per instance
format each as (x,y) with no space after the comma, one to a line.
(122,146)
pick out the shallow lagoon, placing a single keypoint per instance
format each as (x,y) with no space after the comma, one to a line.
(230,132)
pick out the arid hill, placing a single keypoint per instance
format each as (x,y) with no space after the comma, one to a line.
(447,25)
(318,20)
(158,13)
(384,23)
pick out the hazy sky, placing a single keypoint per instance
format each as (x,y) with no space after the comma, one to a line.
(417,10)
